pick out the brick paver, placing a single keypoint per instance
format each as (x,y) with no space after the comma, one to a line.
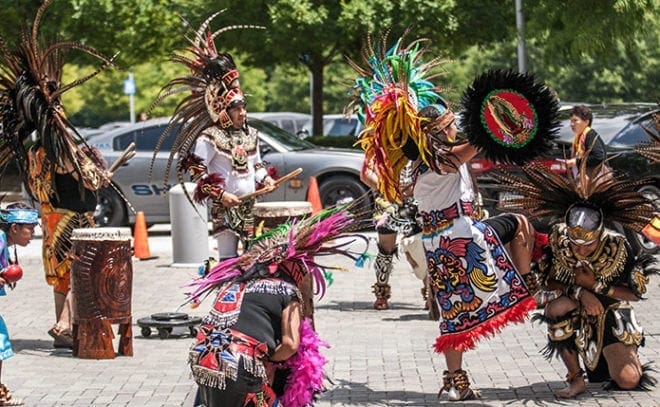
(377,358)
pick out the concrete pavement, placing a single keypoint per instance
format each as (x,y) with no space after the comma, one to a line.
(377,358)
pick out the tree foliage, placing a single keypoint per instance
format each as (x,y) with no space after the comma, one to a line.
(588,50)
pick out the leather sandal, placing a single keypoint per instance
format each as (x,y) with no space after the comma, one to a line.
(62,339)
(7,399)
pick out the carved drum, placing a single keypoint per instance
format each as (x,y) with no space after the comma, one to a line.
(101,284)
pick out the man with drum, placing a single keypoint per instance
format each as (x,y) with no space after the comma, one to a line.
(216,146)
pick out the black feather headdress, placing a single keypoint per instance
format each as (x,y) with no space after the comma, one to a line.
(547,194)
(30,100)
(510,116)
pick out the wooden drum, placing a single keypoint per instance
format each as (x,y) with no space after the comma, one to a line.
(268,215)
(101,284)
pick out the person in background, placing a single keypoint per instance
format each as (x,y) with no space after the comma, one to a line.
(587,144)
(143,117)
(391,219)
(17,223)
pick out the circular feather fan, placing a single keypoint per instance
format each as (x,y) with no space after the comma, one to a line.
(510,116)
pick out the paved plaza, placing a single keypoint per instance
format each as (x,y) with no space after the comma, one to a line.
(377,358)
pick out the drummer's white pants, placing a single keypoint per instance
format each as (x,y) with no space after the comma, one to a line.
(227,244)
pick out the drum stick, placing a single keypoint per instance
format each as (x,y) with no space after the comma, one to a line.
(126,155)
(277,183)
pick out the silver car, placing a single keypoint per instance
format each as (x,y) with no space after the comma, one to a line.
(337,171)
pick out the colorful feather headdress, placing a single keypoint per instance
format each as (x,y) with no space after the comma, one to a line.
(212,86)
(392,86)
(290,249)
(30,100)
(545,193)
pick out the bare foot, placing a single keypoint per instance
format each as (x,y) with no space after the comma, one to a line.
(574,388)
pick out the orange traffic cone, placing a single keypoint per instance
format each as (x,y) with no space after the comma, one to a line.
(313,195)
(140,238)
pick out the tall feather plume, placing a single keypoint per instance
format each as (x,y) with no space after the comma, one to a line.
(393,84)
(651,149)
(298,243)
(191,116)
(545,193)
(30,99)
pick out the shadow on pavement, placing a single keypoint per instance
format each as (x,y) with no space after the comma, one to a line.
(365,306)
(357,394)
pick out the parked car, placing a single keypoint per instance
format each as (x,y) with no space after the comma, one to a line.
(336,170)
(621,128)
(337,125)
(292,122)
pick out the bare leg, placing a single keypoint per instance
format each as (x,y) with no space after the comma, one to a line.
(574,377)
(64,321)
(624,366)
(522,246)
(454,359)
(60,298)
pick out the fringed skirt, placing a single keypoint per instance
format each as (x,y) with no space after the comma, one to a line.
(477,288)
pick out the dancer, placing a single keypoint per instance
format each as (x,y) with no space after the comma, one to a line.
(592,273)
(390,219)
(17,223)
(60,171)
(215,144)
(255,336)
(477,281)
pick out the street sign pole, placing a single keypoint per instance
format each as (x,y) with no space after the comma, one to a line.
(129,89)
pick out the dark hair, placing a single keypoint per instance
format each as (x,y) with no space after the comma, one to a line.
(583,112)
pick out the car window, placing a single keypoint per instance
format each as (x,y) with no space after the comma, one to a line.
(341,127)
(122,141)
(633,134)
(147,138)
(288,140)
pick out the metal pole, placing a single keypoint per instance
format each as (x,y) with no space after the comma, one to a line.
(520,24)
(131,99)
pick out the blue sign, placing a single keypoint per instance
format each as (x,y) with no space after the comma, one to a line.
(129,87)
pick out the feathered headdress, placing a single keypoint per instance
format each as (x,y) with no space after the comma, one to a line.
(30,100)
(510,116)
(213,86)
(651,149)
(545,193)
(392,86)
(290,249)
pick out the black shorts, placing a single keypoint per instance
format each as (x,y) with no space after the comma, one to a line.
(504,225)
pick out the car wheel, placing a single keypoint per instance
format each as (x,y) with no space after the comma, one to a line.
(341,189)
(639,242)
(110,209)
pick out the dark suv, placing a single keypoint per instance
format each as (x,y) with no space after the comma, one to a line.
(621,127)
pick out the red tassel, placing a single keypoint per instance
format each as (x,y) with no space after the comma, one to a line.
(467,340)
